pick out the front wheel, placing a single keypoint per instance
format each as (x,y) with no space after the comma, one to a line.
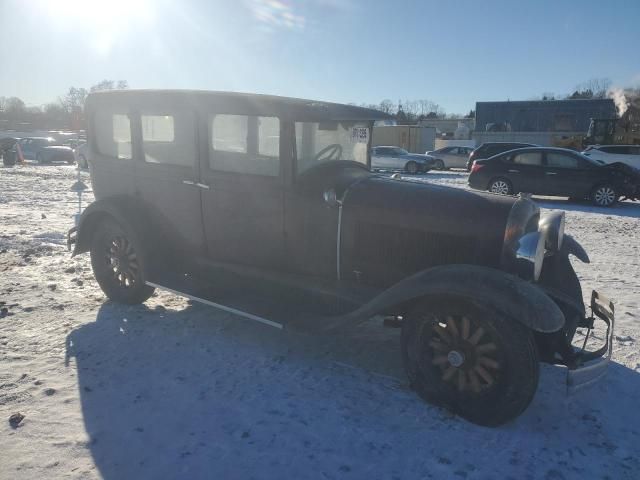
(39,159)
(604,196)
(411,167)
(118,261)
(438,165)
(481,365)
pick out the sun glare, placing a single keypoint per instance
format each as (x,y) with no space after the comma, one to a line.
(104,21)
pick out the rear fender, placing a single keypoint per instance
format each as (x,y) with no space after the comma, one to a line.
(126,211)
(523,301)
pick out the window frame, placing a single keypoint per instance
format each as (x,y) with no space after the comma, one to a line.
(540,165)
(579,163)
(208,118)
(132,133)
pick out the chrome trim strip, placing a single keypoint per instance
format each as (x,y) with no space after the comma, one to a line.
(339,240)
(217,305)
(339,233)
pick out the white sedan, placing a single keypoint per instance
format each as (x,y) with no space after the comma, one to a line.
(451,157)
(396,158)
(629,154)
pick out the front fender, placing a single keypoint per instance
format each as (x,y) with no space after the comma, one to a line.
(521,300)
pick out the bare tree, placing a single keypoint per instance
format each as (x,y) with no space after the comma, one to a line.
(74,99)
(387,106)
(593,88)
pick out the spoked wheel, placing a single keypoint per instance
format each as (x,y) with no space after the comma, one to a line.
(118,264)
(411,168)
(471,360)
(500,185)
(466,355)
(604,196)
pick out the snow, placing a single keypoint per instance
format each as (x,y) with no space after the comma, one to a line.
(172,389)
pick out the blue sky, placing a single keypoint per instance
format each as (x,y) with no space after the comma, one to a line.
(452,52)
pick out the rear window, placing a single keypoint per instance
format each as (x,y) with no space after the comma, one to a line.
(528,158)
(113,134)
(168,138)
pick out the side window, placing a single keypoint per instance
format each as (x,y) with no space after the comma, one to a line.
(560,160)
(245,144)
(168,138)
(528,158)
(112,132)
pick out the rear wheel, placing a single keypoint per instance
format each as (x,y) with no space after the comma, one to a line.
(481,365)
(604,196)
(501,185)
(82,162)
(411,167)
(118,261)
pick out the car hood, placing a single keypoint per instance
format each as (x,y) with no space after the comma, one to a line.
(623,168)
(420,225)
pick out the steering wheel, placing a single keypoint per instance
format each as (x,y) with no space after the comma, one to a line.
(331,152)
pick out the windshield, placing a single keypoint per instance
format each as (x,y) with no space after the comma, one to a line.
(592,161)
(329,141)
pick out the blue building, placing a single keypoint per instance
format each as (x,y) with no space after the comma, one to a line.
(542,115)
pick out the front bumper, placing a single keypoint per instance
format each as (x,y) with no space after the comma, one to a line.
(592,366)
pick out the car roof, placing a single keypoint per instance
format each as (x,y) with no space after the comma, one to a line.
(507,143)
(234,102)
(543,149)
(388,146)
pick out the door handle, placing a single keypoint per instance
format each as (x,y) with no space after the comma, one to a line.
(204,186)
(513,171)
(550,173)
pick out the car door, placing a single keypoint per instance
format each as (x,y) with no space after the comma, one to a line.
(384,158)
(458,158)
(524,170)
(27,147)
(566,174)
(166,171)
(633,158)
(377,160)
(243,195)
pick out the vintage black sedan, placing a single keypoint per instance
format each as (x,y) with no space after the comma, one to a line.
(266,207)
(556,172)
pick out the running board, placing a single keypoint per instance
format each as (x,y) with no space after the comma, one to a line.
(218,306)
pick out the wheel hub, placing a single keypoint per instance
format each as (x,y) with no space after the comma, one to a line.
(455,358)
(465,354)
(122,261)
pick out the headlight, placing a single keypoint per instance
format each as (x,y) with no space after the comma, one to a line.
(551,226)
(529,255)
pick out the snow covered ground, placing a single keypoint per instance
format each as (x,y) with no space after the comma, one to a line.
(172,389)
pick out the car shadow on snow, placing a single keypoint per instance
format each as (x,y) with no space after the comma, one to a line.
(195,393)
